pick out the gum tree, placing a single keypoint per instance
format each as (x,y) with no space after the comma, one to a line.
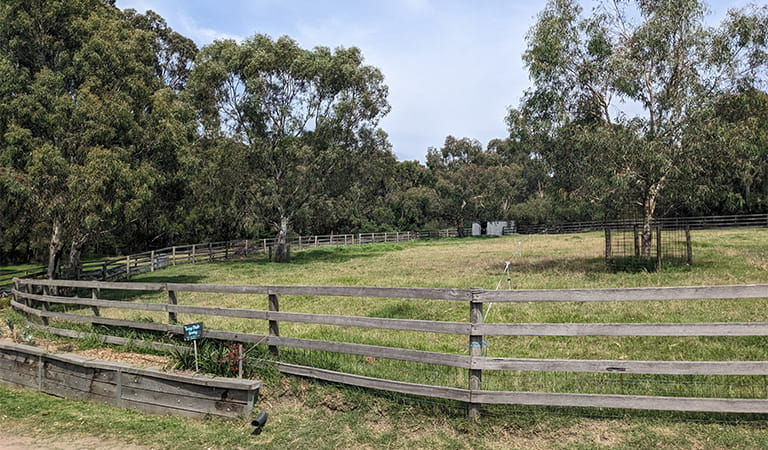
(301,116)
(613,93)
(80,87)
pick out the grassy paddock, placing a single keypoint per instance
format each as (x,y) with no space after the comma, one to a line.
(536,262)
(539,261)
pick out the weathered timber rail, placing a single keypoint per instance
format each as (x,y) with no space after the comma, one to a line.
(126,385)
(34,298)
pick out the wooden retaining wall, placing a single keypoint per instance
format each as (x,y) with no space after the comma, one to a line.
(120,384)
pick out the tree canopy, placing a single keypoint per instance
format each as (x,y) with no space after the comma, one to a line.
(117,134)
(616,94)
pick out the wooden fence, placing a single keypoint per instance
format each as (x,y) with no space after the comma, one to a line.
(32,298)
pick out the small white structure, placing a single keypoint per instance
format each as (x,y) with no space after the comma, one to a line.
(495,228)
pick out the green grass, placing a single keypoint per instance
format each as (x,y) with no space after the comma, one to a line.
(322,415)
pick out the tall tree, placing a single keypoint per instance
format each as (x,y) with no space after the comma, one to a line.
(301,114)
(620,87)
(472,183)
(80,85)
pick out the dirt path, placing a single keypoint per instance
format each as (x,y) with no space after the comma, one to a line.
(10,441)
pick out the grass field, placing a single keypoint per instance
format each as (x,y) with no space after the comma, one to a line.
(320,415)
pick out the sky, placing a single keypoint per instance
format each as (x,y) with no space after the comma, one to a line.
(453,67)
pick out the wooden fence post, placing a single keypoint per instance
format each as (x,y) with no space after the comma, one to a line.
(637,240)
(172,301)
(128,267)
(193,254)
(246,247)
(152,261)
(608,245)
(44,305)
(173,252)
(210,251)
(95,296)
(104,271)
(274,327)
(658,247)
(475,350)
(15,289)
(688,245)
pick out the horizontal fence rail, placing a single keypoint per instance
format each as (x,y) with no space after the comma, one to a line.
(63,301)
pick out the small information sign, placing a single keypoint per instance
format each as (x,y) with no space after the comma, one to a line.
(193,331)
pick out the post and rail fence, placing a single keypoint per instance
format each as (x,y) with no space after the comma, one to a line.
(33,298)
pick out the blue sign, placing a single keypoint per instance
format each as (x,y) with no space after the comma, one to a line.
(193,331)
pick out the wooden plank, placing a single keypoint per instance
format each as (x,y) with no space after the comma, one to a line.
(330,291)
(623,329)
(723,405)
(21,373)
(231,392)
(103,392)
(150,408)
(192,379)
(176,329)
(427,326)
(124,285)
(115,340)
(401,354)
(320,319)
(96,302)
(182,402)
(443,359)
(26,350)
(64,391)
(71,375)
(461,395)
(335,291)
(627,294)
(624,366)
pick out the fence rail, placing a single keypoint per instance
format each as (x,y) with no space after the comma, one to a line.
(36,297)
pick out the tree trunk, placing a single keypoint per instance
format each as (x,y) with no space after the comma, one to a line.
(73,267)
(54,249)
(281,254)
(460,227)
(649,209)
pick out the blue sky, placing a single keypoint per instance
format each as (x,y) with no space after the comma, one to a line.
(453,67)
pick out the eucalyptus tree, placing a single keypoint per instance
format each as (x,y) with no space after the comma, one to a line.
(733,127)
(472,183)
(79,86)
(613,93)
(301,115)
